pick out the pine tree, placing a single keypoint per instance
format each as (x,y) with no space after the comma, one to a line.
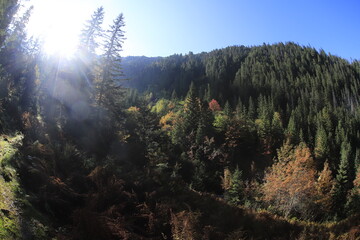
(277,131)
(200,133)
(92,32)
(343,171)
(87,60)
(357,158)
(227,109)
(339,133)
(234,195)
(321,144)
(251,109)
(207,94)
(291,130)
(109,89)
(177,133)
(174,95)
(191,110)
(353,203)
(7,10)
(240,110)
(342,178)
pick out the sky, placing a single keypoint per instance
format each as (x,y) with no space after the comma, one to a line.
(166,27)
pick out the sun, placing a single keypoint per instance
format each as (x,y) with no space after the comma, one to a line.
(57,24)
(60,41)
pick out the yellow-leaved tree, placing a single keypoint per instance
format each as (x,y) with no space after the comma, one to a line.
(325,188)
(290,182)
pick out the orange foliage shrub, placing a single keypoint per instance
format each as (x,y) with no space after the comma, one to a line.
(167,122)
(133,109)
(325,187)
(357,181)
(290,182)
(183,225)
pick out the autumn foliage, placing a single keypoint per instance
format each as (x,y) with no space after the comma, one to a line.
(325,188)
(357,182)
(214,106)
(290,182)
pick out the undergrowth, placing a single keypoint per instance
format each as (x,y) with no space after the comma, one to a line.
(18,219)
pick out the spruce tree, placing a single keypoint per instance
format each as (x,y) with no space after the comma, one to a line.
(234,195)
(343,171)
(109,90)
(251,109)
(277,131)
(191,110)
(342,178)
(357,159)
(87,60)
(353,202)
(227,109)
(291,130)
(321,143)
(92,32)
(7,10)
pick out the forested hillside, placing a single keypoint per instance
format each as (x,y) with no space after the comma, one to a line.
(282,121)
(255,142)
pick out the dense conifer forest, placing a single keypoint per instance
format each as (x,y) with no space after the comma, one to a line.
(258,142)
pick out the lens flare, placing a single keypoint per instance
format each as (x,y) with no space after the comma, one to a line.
(57,24)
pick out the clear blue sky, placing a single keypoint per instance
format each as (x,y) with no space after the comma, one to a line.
(165,27)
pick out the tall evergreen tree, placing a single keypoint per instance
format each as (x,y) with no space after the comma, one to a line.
(109,87)
(277,131)
(251,109)
(227,109)
(90,38)
(7,10)
(342,178)
(92,32)
(291,130)
(235,194)
(321,144)
(191,110)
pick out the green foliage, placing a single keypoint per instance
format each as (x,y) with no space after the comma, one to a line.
(292,131)
(108,86)
(91,33)
(227,109)
(321,143)
(343,170)
(235,194)
(342,179)
(277,130)
(162,107)
(221,121)
(7,10)
(115,170)
(191,110)
(14,211)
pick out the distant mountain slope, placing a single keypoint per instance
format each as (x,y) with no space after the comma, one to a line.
(287,72)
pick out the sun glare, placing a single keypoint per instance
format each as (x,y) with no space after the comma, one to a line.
(59,41)
(57,24)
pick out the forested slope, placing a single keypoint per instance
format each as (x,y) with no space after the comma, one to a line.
(240,143)
(283,119)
